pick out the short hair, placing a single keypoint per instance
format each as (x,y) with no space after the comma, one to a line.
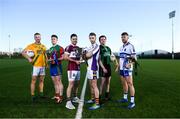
(73,35)
(124,33)
(37,34)
(92,34)
(54,36)
(101,37)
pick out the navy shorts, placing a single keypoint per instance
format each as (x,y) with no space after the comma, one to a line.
(55,70)
(125,73)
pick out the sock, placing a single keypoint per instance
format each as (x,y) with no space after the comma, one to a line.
(75,95)
(32,96)
(92,96)
(97,101)
(68,99)
(57,95)
(125,95)
(61,97)
(100,97)
(107,95)
(132,99)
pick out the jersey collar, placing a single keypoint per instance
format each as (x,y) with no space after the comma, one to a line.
(54,45)
(73,45)
(94,44)
(37,43)
(125,44)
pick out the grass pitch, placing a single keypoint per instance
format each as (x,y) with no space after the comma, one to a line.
(157,92)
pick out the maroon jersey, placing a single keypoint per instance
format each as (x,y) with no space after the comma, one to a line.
(72,50)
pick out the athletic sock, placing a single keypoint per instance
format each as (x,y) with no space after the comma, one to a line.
(92,96)
(61,97)
(41,94)
(132,99)
(68,99)
(57,95)
(97,101)
(125,95)
(107,95)
(74,94)
(32,96)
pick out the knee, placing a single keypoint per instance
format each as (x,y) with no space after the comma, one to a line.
(94,85)
(130,84)
(41,81)
(33,81)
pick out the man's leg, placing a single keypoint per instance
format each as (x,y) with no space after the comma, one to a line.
(102,86)
(33,85)
(96,90)
(92,90)
(57,89)
(75,88)
(96,93)
(125,89)
(75,92)
(69,104)
(61,87)
(129,80)
(41,85)
(107,95)
(56,86)
(69,89)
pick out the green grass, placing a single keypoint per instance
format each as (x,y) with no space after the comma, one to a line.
(157,92)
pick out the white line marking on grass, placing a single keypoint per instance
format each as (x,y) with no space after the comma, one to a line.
(81,103)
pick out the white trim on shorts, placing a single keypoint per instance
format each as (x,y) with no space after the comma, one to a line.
(73,75)
(38,71)
(90,74)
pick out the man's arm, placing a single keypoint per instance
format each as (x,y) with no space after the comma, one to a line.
(89,54)
(26,56)
(61,54)
(101,64)
(62,57)
(132,58)
(117,65)
(66,57)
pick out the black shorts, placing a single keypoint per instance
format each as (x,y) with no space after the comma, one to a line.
(102,74)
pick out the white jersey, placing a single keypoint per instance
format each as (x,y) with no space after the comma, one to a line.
(127,50)
(93,61)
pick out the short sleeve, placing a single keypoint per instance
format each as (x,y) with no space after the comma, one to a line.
(61,50)
(44,48)
(67,50)
(110,50)
(29,47)
(133,52)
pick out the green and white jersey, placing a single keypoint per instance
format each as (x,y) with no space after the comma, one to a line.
(105,54)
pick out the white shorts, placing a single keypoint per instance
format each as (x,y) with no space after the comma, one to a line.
(92,74)
(73,75)
(38,71)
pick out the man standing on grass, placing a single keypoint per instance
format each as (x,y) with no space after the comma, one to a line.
(72,55)
(127,56)
(39,62)
(105,57)
(92,56)
(55,56)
